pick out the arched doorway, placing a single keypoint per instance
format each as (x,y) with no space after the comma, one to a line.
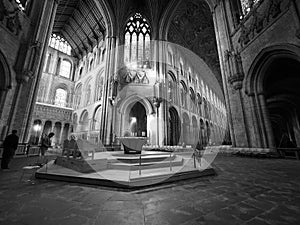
(282,95)
(273,86)
(138,120)
(173,127)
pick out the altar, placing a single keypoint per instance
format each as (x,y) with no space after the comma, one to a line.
(133,145)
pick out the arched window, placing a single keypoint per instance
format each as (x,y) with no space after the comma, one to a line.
(84,121)
(137,39)
(91,64)
(171,87)
(60,97)
(103,55)
(97,118)
(99,87)
(183,91)
(65,69)
(88,92)
(60,44)
(192,100)
(77,99)
(199,102)
(41,93)
(181,68)
(80,73)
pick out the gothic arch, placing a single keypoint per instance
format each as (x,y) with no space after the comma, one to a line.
(108,16)
(254,81)
(131,100)
(169,12)
(190,24)
(5,80)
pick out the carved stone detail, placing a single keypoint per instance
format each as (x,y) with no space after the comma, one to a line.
(10,16)
(138,76)
(259,20)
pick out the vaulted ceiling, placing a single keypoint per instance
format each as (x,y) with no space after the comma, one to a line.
(80,23)
(192,27)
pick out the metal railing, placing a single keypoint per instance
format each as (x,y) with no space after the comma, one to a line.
(24,149)
(194,155)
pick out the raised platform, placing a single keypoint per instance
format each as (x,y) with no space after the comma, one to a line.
(126,171)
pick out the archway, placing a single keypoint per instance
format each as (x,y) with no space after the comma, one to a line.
(5,82)
(138,120)
(84,122)
(207,133)
(272,86)
(47,127)
(186,129)
(282,96)
(202,133)
(173,127)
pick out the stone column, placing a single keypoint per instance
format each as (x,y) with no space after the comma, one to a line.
(267,123)
(259,135)
(236,80)
(223,38)
(105,129)
(61,133)
(29,64)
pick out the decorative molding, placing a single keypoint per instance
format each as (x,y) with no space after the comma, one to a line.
(259,21)
(11,16)
(137,76)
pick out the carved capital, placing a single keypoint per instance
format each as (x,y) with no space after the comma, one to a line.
(236,80)
(238,77)
(25,77)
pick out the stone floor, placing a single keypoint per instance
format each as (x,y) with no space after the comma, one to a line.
(245,191)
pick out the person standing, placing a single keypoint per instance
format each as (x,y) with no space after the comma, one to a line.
(46,143)
(73,147)
(10,145)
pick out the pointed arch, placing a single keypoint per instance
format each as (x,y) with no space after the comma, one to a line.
(5,80)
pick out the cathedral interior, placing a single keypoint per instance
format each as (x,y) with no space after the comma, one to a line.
(206,74)
(201,73)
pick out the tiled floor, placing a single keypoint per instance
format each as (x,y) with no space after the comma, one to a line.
(245,191)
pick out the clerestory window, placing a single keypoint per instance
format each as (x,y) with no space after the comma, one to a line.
(60,44)
(137,40)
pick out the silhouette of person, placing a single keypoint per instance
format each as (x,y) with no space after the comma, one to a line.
(73,147)
(46,143)
(10,145)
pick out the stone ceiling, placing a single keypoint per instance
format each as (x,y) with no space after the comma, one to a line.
(192,27)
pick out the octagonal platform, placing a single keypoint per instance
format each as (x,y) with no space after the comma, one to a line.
(116,169)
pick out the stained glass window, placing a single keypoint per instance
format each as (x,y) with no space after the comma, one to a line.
(137,39)
(247,5)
